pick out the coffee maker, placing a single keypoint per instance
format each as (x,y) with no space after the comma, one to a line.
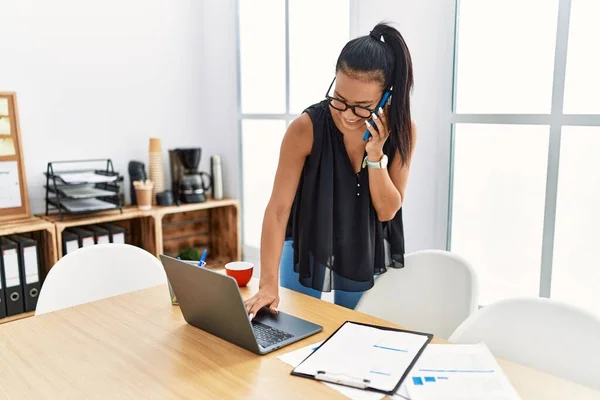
(189,184)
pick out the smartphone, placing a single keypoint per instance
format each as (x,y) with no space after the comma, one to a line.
(386,97)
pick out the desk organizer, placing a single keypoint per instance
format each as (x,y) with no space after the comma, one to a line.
(82,189)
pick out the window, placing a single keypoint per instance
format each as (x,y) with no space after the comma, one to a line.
(582,82)
(499,206)
(526,123)
(287,56)
(575,275)
(500,53)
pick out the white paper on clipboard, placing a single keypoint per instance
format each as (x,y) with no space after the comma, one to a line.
(10,189)
(365,354)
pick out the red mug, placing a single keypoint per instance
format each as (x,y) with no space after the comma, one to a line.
(241,271)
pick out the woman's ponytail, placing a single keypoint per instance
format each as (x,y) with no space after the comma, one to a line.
(402,81)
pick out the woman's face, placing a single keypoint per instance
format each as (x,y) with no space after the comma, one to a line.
(355,90)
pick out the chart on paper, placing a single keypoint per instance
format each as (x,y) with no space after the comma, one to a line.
(450,372)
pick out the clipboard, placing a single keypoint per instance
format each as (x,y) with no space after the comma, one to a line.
(364,356)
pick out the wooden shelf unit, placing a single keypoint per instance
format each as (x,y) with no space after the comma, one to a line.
(214,224)
(139,226)
(44,233)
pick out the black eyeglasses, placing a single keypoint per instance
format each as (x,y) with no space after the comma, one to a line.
(340,105)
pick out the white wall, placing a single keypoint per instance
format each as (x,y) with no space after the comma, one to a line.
(98,79)
(428,28)
(219,89)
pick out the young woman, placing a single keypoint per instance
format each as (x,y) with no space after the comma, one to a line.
(334,219)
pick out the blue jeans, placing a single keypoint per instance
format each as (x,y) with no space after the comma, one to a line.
(289,280)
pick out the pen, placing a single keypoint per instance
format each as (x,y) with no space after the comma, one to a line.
(341,380)
(202,258)
(385,98)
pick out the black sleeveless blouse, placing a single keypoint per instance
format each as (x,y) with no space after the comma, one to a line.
(339,243)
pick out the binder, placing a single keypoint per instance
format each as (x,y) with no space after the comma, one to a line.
(30,270)
(367,357)
(70,242)
(2,290)
(86,238)
(117,233)
(101,235)
(12,277)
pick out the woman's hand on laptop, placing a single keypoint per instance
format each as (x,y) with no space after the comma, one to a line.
(267,296)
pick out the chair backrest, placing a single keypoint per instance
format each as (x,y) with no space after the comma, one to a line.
(97,272)
(434,292)
(540,333)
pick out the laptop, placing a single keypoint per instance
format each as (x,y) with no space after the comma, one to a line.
(211,301)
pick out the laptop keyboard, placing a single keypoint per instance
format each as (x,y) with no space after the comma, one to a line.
(267,335)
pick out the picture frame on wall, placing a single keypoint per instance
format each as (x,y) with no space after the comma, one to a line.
(14,198)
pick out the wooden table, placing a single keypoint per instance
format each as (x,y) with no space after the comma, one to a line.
(138,346)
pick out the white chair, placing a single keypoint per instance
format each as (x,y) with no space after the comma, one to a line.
(434,292)
(540,333)
(97,272)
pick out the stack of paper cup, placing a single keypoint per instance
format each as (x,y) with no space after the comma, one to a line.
(155,168)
